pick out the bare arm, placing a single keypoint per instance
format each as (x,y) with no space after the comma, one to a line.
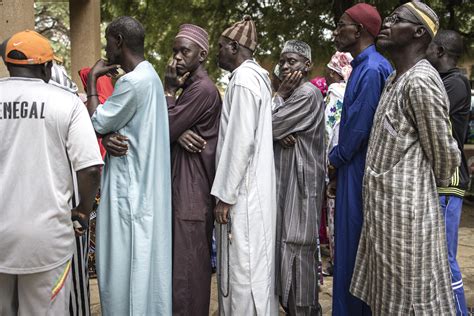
(100,68)
(88,180)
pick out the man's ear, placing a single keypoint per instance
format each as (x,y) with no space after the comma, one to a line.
(440,51)
(308,65)
(120,40)
(202,55)
(419,32)
(358,33)
(235,47)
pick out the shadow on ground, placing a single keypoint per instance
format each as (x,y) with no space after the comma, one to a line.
(465,257)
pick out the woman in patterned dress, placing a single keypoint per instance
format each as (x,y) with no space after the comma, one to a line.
(337,72)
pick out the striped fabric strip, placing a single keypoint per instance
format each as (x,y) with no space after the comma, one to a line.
(452,190)
(455,178)
(79,300)
(456,283)
(428,21)
(60,282)
(458,286)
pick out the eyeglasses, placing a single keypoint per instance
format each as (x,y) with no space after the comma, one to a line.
(340,25)
(394,19)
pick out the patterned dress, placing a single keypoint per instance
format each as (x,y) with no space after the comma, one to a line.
(334,99)
(300,186)
(402,262)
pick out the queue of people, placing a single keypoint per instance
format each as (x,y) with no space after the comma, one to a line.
(380,153)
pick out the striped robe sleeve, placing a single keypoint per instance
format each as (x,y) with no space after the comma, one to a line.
(294,115)
(434,127)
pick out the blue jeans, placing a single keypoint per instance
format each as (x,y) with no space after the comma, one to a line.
(451,207)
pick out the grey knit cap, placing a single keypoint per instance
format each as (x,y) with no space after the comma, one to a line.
(297,47)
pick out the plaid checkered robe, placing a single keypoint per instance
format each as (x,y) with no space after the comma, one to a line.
(402,261)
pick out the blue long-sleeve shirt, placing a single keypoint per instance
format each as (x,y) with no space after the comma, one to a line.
(365,85)
(369,72)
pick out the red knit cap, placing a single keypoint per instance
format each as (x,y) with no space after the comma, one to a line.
(366,15)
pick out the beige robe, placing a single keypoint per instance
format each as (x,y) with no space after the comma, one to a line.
(245,178)
(402,261)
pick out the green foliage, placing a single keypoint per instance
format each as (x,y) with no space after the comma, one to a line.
(52,21)
(276,20)
(161,20)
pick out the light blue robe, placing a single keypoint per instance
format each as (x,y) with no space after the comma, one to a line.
(134,216)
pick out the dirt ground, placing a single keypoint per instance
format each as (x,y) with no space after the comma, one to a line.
(465,259)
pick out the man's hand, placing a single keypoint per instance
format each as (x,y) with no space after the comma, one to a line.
(88,180)
(192,142)
(331,189)
(332,171)
(221,212)
(115,144)
(288,142)
(172,81)
(78,216)
(101,68)
(289,84)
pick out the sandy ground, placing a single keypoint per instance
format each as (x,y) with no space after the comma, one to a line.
(465,258)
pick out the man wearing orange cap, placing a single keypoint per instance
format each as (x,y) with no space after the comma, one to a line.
(245,181)
(355,33)
(45,130)
(402,262)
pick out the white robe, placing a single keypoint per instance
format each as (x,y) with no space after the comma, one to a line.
(245,178)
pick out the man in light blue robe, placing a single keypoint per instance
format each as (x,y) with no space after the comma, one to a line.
(134,216)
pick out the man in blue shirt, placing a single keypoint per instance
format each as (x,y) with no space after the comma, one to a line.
(355,33)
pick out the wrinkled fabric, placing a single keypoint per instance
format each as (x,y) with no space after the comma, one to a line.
(369,72)
(402,260)
(300,190)
(134,215)
(197,109)
(245,178)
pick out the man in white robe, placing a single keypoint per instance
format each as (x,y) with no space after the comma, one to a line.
(245,181)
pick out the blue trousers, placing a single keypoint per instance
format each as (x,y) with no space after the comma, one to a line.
(451,207)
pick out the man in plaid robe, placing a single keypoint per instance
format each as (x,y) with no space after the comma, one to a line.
(402,262)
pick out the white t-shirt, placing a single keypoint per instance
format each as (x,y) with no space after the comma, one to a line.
(44,130)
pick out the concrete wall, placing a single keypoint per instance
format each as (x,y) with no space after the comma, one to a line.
(15,16)
(85,35)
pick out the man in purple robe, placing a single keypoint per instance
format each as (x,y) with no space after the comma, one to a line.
(194,125)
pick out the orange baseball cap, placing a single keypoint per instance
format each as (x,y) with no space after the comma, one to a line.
(33,45)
